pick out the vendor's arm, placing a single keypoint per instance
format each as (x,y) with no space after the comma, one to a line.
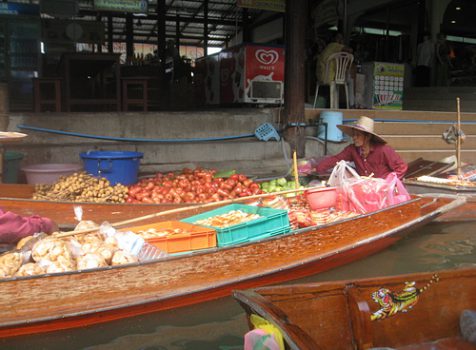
(395,162)
(330,161)
(14,227)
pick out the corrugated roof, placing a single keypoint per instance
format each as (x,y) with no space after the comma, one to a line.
(224,21)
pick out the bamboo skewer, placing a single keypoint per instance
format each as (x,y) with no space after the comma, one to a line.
(178,210)
(458,139)
(295,170)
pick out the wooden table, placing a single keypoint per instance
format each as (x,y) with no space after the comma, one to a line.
(91,80)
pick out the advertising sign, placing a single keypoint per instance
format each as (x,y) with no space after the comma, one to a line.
(264,74)
(134,6)
(388,85)
(14,8)
(269,5)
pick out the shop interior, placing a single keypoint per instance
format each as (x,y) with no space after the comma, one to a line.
(97,56)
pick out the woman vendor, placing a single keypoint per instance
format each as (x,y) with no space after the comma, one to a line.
(369,152)
(14,227)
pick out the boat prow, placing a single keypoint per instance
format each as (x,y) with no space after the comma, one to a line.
(413,311)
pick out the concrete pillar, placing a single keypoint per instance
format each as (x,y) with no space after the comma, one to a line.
(438,8)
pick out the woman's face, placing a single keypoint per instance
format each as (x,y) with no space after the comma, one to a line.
(359,138)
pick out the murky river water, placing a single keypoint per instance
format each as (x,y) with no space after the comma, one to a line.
(221,324)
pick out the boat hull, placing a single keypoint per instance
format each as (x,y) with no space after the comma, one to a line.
(313,315)
(466,212)
(76,299)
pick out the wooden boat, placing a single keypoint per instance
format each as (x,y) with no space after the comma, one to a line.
(17,198)
(413,311)
(75,299)
(422,167)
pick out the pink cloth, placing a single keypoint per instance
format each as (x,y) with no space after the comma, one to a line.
(14,227)
(381,161)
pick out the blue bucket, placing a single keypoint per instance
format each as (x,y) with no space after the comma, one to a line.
(116,166)
(332,119)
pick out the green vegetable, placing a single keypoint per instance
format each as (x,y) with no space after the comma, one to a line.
(224,173)
(281,181)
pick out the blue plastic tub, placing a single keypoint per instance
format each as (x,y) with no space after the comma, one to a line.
(332,119)
(116,166)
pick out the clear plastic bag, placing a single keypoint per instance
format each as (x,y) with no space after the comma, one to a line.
(132,243)
(342,173)
(397,193)
(308,166)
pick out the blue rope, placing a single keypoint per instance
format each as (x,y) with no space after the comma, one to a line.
(125,139)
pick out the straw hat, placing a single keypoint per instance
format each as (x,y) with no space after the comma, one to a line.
(363,124)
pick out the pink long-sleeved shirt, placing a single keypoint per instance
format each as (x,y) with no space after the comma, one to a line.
(381,160)
(14,227)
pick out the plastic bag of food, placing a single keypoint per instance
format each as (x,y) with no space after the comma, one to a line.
(83,224)
(132,243)
(397,193)
(307,166)
(365,195)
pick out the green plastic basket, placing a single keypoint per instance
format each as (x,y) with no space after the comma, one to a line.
(272,222)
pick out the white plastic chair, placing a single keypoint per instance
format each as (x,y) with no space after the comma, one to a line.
(342,62)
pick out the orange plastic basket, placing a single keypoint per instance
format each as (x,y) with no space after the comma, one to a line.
(194,237)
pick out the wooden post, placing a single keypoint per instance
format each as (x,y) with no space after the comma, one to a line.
(163,88)
(205,28)
(458,140)
(4,119)
(294,87)
(129,38)
(110,35)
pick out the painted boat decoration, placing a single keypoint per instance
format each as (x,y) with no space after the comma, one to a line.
(432,313)
(75,299)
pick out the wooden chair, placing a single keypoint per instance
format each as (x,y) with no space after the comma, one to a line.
(128,83)
(342,62)
(51,101)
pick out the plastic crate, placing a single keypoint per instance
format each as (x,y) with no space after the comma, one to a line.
(271,233)
(271,220)
(195,237)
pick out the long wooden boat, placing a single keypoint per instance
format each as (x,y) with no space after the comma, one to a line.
(421,167)
(75,299)
(413,311)
(17,198)
(466,212)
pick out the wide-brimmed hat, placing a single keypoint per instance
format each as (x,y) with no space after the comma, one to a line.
(364,124)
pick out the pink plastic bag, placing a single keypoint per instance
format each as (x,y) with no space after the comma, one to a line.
(366,194)
(397,193)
